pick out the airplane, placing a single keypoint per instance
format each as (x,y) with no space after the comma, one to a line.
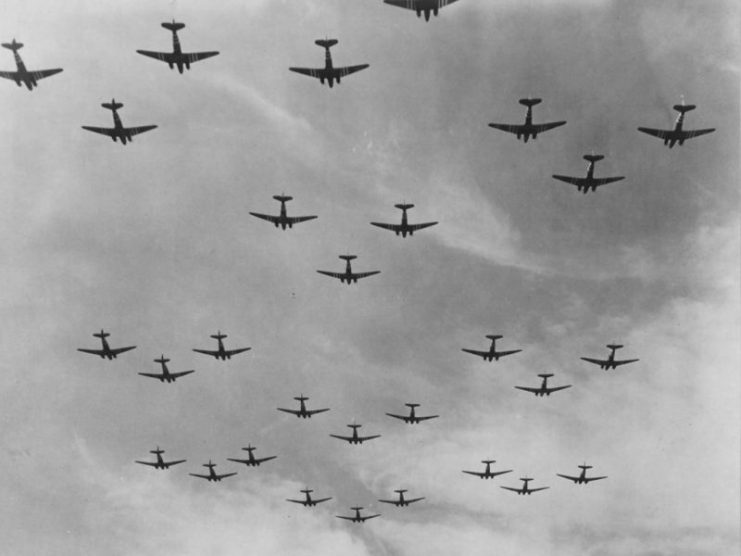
(492,353)
(677,135)
(543,390)
(220,352)
(488,473)
(166,375)
(252,461)
(160,463)
(105,351)
(309,501)
(582,478)
(355,439)
(402,502)
(528,129)
(212,476)
(348,276)
(412,419)
(177,57)
(328,72)
(283,220)
(404,228)
(525,488)
(21,75)
(118,131)
(302,412)
(357,518)
(610,362)
(589,182)
(421,6)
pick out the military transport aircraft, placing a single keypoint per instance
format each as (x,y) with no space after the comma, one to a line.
(328,72)
(357,518)
(212,476)
(412,418)
(492,354)
(402,502)
(177,57)
(589,182)
(487,473)
(283,220)
(308,501)
(543,390)
(251,460)
(302,412)
(220,352)
(405,227)
(166,375)
(610,362)
(118,131)
(425,7)
(525,488)
(348,276)
(160,463)
(21,75)
(105,351)
(582,478)
(355,439)
(677,135)
(528,129)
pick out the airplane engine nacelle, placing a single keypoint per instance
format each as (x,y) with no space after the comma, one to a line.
(170,64)
(187,65)
(338,79)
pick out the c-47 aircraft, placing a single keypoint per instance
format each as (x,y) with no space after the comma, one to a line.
(212,476)
(105,352)
(166,375)
(328,73)
(492,354)
(487,473)
(412,418)
(589,182)
(357,518)
(677,135)
(528,129)
(402,502)
(425,7)
(283,220)
(308,501)
(543,390)
(348,276)
(405,227)
(21,75)
(355,439)
(251,460)
(177,57)
(160,463)
(610,362)
(118,131)
(302,412)
(220,352)
(525,488)
(582,478)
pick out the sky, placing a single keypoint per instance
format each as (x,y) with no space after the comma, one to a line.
(154,242)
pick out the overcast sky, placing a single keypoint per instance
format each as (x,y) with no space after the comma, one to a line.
(154,243)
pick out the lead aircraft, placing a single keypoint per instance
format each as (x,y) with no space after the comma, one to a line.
(21,75)
(544,390)
(582,478)
(160,463)
(251,460)
(328,73)
(412,418)
(177,57)
(589,182)
(166,375)
(283,220)
(220,352)
(402,502)
(492,354)
(308,501)
(677,135)
(355,439)
(348,276)
(610,362)
(302,412)
(118,131)
(528,129)
(357,518)
(405,227)
(525,488)
(425,7)
(487,473)
(212,476)
(105,352)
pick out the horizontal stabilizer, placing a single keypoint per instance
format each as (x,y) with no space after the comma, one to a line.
(593,157)
(101,334)
(614,346)
(545,376)
(113,105)
(219,336)
(282,198)
(348,257)
(680,107)
(162,359)
(530,101)
(357,508)
(326,43)
(411,404)
(494,336)
(173,26)
(404,206)
(13,45)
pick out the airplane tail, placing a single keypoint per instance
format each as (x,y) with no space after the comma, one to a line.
(157,451)
(354,426)
(545,376)
(356,508)
(614,346)
(101,334)
(585,467)
(494,336)
(401,490)
(411,404)
(218,336)
(307,491)
(488,461)
(282,198)
(113,105)
(13,45)
(526,479)
(173,26)
(348,257)
(682,108)
(162,359)
(326,43)
(301,398)
(593,157)
(404,206)
(530,101)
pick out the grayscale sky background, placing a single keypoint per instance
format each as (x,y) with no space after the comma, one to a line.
(153,242)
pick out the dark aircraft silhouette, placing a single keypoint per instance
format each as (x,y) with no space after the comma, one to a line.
(677,135)
(425,7)
(402,502)
(582,478)
(528,129)
(543,390)
(212,476)
(405,227)
(309,501)
(105,351)
(328,72)
(177,57)
(355,439)
(21,75)
(610,362)
(118,131)
(160,463)
(283,220)
(487,473)
(357,518)
(348,276)
(251,460)
(166,375)
(589,182)
(302,412)
(525,488)
(492,354)
(412,418)
(220,352)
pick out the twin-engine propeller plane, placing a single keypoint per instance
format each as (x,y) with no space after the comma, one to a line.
(220,352)
(348,277)
(544,390)
(405,228)
(166,375)
(177,57)
(677,135)
(357,518)
(21,75)
(302,412)
(251,460)
(105,352)
(402,502)
(160,463)
(589,182)
(212,476)
(118,131)
(487,473)
(308,501)
(492,354)
(355,439)
(412,418)
(610,362)
(426,7)
(525,489)
(582,479)
(328,73)
(283,220)
(528,129)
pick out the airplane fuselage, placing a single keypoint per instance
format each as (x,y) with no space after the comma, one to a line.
(119,130)
(23,77)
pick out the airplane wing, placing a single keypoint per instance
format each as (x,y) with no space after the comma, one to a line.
(40,74)
(302,502)
(579,182)
(299,219)
(200,476)
(338,275)
(320,500)
(9,74)
(169,463)
(496,473)
(231,352)
(109,131)
(319,73)
(422,226)
(595,361)
(151,375)
(389,501)
(557,388)
(345,517)
(291,411)
(207,352)
(93,351)
(510,352)
(225,475)
(118,351)
(402,417)
(347,70)
(138,130)
(392,227)
(588,479)
(537,489)
(178,375)
(476,473)
(149,463)
(475,352)
(570,478)
(364,438)
(268,217)
(163,56)
(345,438)
(261,460)
(413,500)
(526,389)
(191,57)
(509,128)
(604,181)
(661,133)
(426,417)
(694,132)
(359,275)
(540,128)
(367,517)
(315,411)
(624,362)
(512,489)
